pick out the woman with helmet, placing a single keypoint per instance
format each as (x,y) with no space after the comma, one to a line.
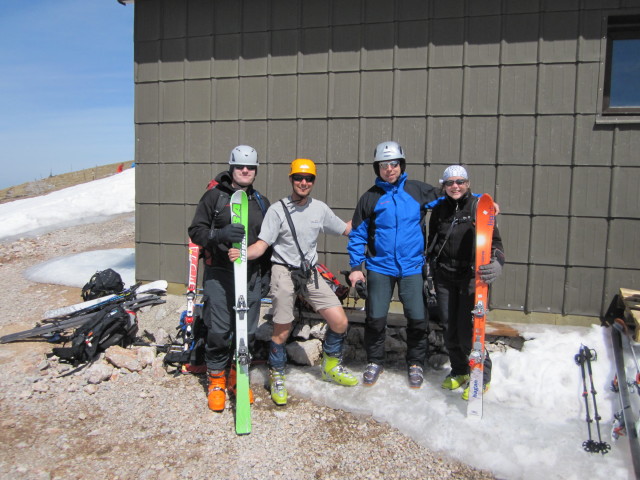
(293,275)
(212,229)
(388,240)
(452,250)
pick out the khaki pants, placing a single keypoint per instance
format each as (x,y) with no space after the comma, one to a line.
(282,292)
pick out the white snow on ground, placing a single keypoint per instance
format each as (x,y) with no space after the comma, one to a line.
(84,203)
(76,270)
(534,414)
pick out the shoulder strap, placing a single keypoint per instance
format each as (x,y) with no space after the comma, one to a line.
(260,201)
(293,232)
(474,208)
(220,203)
(453,224)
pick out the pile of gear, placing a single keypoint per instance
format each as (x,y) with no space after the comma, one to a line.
(107,317)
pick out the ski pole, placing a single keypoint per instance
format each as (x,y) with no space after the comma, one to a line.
(588,445)
(602,447)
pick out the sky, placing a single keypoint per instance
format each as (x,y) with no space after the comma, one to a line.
(66,92)
(534,414)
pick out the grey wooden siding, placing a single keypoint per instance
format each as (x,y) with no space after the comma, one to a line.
(506,87)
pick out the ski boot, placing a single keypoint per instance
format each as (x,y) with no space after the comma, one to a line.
(416,376)
(371,374)
(231,384)
(276,385)
(333,371)
(453,382)
(465,394)
(216,396)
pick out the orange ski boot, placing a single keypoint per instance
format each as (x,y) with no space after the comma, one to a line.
(216,395)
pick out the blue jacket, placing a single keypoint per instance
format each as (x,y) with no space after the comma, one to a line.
(387,233)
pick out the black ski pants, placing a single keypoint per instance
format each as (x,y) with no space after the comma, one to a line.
(379,292)
(220,317)
(456,298)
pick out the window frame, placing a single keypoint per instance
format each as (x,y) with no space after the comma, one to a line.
(615,27)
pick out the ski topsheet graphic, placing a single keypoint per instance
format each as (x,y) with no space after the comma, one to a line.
(239,214)
(194,256)
(485,221)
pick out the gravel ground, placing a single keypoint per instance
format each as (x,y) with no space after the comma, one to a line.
(54,424)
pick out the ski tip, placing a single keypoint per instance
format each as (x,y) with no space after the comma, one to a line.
(243,430)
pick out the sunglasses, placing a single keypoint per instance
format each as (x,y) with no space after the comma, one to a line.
(460,181)
(251,168)
(391,163)
(298,178)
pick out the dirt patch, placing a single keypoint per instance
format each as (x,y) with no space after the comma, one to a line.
(58,182)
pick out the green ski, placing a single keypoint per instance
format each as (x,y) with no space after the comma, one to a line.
(240,214)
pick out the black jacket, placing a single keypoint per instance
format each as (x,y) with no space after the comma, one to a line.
(213,212)
(457,252)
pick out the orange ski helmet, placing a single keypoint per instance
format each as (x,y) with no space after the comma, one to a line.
(303,165)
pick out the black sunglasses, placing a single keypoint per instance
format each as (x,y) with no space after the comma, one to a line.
(460,181)
(248,167)
(298,178)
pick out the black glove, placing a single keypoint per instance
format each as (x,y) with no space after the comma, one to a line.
(491,271)
(361,288)
(232,233)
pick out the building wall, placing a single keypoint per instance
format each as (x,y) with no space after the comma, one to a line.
(509,88)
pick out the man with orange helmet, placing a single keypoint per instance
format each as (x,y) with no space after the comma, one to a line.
(294,256)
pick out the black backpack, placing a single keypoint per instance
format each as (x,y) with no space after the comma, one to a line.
(112,325)
(105,282)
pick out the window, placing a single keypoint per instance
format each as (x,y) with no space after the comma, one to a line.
(621,94)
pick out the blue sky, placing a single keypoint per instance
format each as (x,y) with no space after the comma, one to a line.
(66,89)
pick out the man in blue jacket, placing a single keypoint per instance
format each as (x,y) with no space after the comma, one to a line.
(387,237)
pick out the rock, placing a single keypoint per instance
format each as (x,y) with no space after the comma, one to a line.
(438,361)
(157,368)
(146,355)
(44,364)
(305,353)
(90,389)
(161,337)
(123,358)
(302,331)
(98,373)
(40,387)
(319,330)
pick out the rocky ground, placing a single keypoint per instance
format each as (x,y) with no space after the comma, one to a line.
(56,423)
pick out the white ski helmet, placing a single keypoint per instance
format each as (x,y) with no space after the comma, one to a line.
(243,155)
(454,171)
(388,151)
(385,152)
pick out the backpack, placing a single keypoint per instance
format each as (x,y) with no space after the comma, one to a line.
(189,353)
(112,325)
(105,282)
(341,291)
(323,272)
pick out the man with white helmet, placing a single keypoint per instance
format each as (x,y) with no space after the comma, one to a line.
(293,275)
(212,229)
(388,239)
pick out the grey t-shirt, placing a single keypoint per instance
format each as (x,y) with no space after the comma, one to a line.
(310,220)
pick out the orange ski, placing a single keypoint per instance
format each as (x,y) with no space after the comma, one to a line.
(485,221)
